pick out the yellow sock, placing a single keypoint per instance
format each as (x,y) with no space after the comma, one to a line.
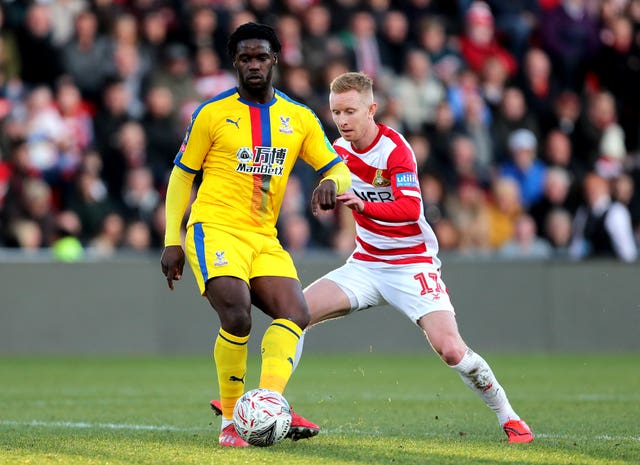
(230,354)
(278,353)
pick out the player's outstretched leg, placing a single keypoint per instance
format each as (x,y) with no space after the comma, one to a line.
(441,330)
(476,373)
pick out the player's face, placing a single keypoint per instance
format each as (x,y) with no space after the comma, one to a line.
(353,115)
(254,62)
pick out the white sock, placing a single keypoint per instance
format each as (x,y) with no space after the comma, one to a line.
(299,348)
(476,373)
(225,423)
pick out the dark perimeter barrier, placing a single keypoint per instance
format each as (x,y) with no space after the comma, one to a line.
(124,306)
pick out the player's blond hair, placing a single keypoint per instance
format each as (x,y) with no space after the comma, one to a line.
(357,81)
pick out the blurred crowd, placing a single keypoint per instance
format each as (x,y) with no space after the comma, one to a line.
(524,116)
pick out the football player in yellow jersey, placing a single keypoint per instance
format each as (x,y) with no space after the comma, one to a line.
(245,142)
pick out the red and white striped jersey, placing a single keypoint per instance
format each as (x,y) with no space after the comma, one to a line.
(392,229)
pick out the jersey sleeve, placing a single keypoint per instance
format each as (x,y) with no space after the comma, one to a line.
(197,142)
(340,174)
(407,203)
(316,149)
(178,196)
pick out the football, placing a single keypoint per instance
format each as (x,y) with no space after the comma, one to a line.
(262,417)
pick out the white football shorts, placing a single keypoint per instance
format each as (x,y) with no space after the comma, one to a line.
(414,290)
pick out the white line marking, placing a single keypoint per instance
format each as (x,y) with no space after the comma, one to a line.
(599,437)
(87,425)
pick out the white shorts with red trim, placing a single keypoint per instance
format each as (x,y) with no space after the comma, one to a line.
(414,290)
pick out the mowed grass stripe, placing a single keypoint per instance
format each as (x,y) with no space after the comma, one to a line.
(373,408)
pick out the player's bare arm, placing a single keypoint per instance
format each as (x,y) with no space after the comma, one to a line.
(172,262)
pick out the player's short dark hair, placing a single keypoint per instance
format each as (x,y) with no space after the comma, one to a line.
(253,31)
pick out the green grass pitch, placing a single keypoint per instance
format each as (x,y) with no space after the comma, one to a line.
(373,409)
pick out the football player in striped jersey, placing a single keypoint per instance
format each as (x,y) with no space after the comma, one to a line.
(395,260)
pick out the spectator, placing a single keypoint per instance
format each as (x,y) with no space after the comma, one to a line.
(512,115)
(567,109)
(109,238)
(160,132)
(76,121)
(296,83)
(557,194)
(557,230)
(137,237)
(9,55)
(464,166)
(476,127)
(154,33)
(139,196)
(39,56)
(263,10)
(176,75)
(433,198)
(599,138)
(558,152)
(440,134)
(62,19)
(130,69)
(37,206)
(363,45)
(111,116)
(432,37)
(515,21)
(479,43)
(124,33)
(493,82)
(319,44)
(464,88)
(469,213)
(624,190)
(539,87)
(130,153)
(422,151)
(44,134)
(289,31)
(418,91)
(16,173)
(570,36)
(617,73)
(504,208)
(202,30)
(602,227)
(91,203)
(210,78)
(524,166)
(525,244)
(395,41)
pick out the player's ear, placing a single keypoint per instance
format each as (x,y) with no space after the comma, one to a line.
(372,109)
(275,58)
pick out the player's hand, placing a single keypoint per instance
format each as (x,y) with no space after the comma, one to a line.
(351,200)
(324,197)
(172,262)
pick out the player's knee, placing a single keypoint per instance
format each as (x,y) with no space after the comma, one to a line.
(302,319)
(451,351)
(235,321)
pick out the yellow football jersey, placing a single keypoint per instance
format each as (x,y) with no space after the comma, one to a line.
(246,152)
